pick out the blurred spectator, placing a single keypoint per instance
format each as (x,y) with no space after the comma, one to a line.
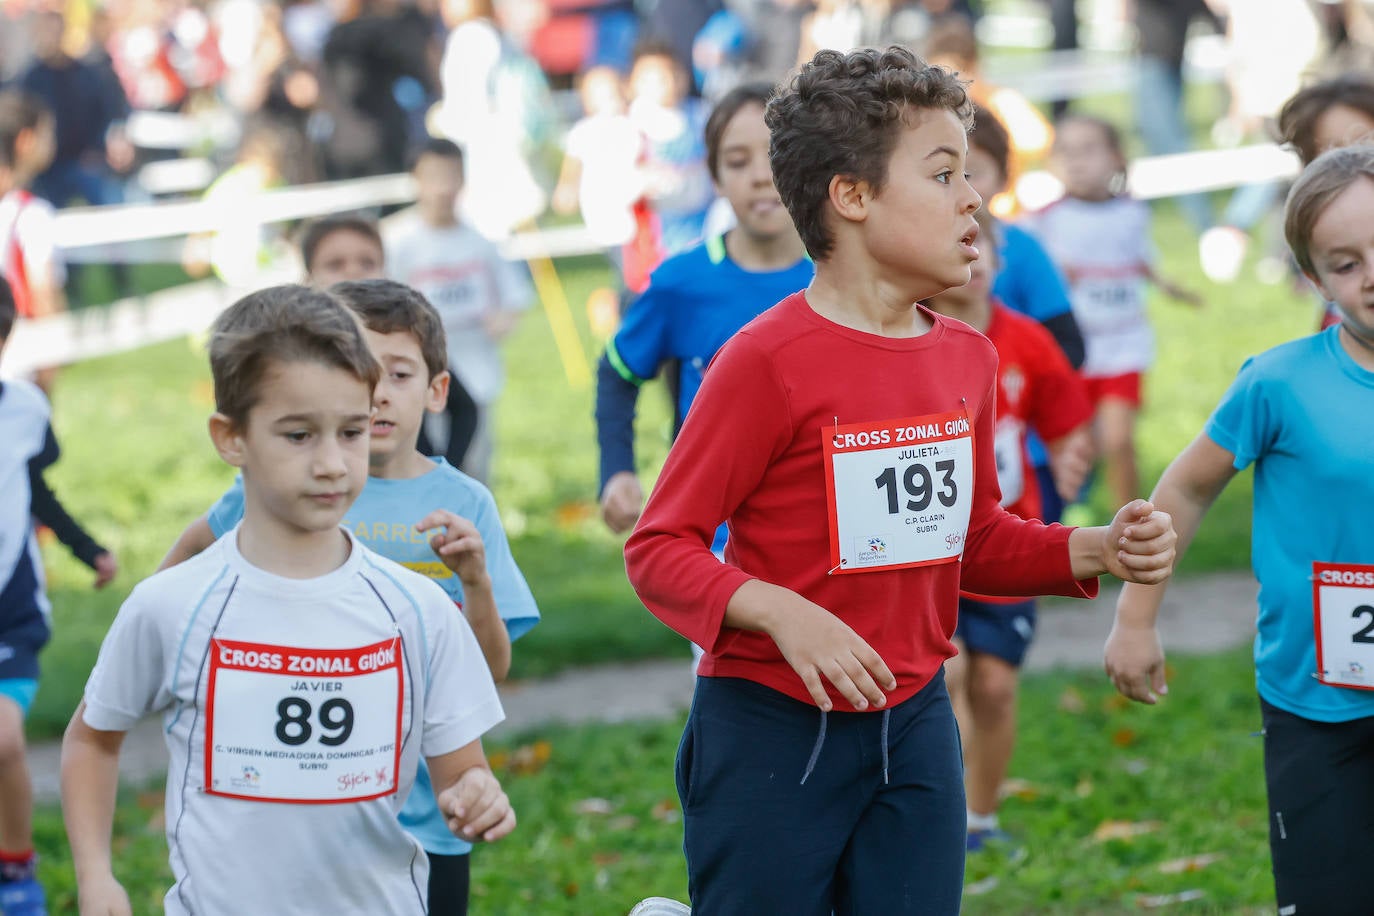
(674,24)
(367,130)
(306,24)
(721,55)
(678,184)
(1162,29)
(841,25)
(496,106)
(576,35)
(601,161)
(951,43)
(1064,23)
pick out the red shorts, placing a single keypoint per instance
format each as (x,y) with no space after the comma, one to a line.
(1116,387)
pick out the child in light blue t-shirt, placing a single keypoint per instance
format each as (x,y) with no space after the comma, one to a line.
(1303,415)
(424,514)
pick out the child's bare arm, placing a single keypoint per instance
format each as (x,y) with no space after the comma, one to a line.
(194,540)
(90,781)
(1172,289)
(1071,458)
(469,794)
(47,295)
(1133,657)
(816,643)
(461,549)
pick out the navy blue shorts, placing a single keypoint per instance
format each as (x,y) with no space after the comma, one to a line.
(1003,630)
(759,841)
(23,626)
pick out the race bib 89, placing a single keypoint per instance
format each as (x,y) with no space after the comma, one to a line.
(899,491)
(300,725)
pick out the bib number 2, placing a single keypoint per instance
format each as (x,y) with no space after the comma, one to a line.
(1343,615)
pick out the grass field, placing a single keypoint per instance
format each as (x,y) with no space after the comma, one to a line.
(1116,806)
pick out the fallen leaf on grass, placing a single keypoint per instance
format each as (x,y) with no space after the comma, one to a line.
(1019,788)
(1071,701)
(623,822)
(667,811)
(525,759)
(606,858)
(1115,702)
(1124,737)
(1156,901)
(1189,863)
(981,887)
(573,514)
(593,806)
(1123,830)
(571,889)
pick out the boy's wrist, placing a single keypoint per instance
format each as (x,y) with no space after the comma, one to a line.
(481,582)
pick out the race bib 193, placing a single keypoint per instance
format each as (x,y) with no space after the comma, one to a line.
(899,491)
(304,726)
(1343,612)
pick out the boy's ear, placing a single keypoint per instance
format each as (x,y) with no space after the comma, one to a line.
(850,196)
(438,393)
(228,439)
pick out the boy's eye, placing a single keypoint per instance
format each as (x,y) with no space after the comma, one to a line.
(353,432)
(1344,268)
(945,177)
(297,435)
(400,376)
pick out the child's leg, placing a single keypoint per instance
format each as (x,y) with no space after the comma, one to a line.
(1116,441)
(448,884)
(956,682)
(906,854)
(1320,782)
(992,702)
(20,892)
(757,840)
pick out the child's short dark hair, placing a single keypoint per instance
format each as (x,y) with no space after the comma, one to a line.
(1109,131)
(842,114)
(19,111)
(654,47)
(440,147)
(9,311)
(316,231)
(989,135)
(282,324)
(1298,118)
(729,105)
(1318,185)
(387,307)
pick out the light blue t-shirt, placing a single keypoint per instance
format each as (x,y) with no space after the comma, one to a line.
(1303,414)
(384,518)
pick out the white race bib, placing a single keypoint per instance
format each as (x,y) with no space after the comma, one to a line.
(1104,303)
(307,726)
(900,491)
(1343,611)
(1006,447)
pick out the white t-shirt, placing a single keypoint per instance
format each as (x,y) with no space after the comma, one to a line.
(609,148)
(31,221)
(464,277)
(1104,250)
(296,712)
(24,414)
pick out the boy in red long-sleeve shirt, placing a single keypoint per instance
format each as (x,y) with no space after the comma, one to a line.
(846,436)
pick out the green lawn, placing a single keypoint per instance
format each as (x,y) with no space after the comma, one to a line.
(600,826)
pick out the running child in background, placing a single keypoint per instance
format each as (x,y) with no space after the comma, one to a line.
(820,707)
(1026,280)
(338,248)
(698,299)
(479,295)
(288,641)
(30,258)
(1037,390)
(408,498)
(1100,238)
(676,178)
(29,448)
(1303,414)
(1324,116)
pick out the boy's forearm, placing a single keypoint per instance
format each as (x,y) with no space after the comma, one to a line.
(479,607)
(90,784)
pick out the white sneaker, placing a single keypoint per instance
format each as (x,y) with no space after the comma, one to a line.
(660,906)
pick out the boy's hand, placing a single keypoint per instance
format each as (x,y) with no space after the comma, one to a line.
(818,644)
(106,568)
(475,808)
(459,545)
(1134,661)
(1181,294)
(622,501)
(103,896)
(1140,544)
(1071,458)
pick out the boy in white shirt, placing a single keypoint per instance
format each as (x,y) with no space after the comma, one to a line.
(300,675)
(479,294)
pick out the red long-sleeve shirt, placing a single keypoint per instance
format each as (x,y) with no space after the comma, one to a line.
(750,454)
